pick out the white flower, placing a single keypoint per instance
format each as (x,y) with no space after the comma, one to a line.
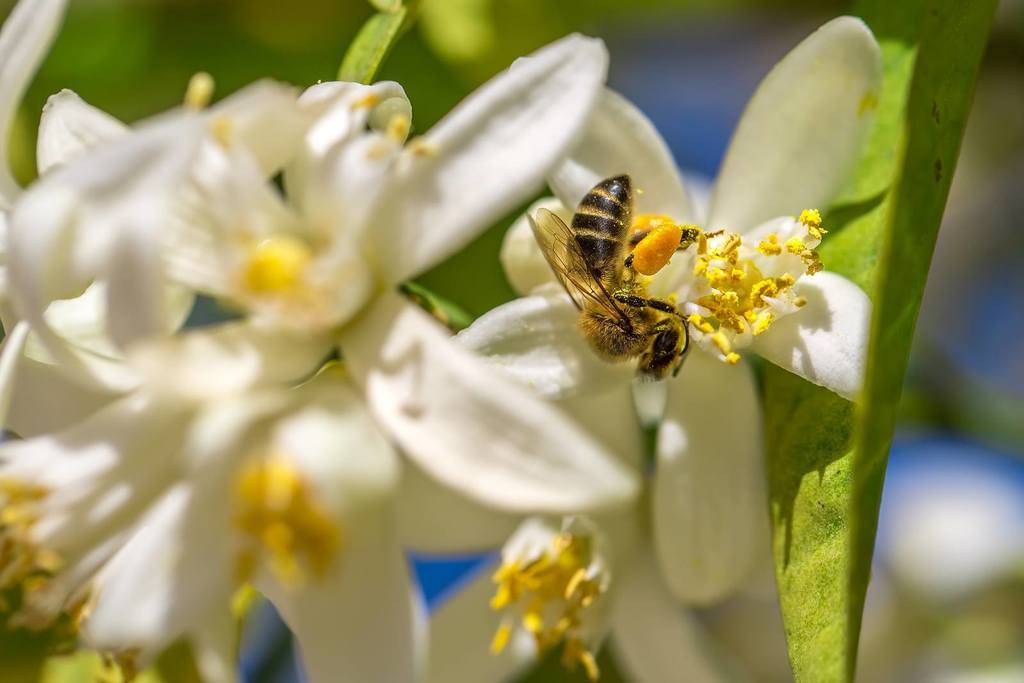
(797,141)
(706,529)
(141,520)
(363,212)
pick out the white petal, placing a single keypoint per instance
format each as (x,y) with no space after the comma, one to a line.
(24,40)
(266,119)
(101,217)
(826,341)
(537,341)
(656,638)
(11,351)
(45,400)
(521,257)
(434,518)
(174,570)
(488,155)
(709,501)
(68,127)
(461,630)
(620,139)
(802,131)
(469,426)
(359,623)
(227,359)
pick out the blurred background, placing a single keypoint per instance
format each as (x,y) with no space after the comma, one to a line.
(947,597)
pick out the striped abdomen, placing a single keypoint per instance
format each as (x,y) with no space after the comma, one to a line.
(602,222)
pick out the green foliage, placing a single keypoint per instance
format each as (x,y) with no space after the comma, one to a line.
(375,40)
(826,461)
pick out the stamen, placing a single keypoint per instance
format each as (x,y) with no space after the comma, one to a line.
(550,589)
(276,264)
(278,515)
(200,91)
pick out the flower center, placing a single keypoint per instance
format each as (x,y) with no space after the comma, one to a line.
(278,515)
(276,265)
(738,289)
(549,593)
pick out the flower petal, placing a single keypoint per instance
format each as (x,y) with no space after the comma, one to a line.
(825,342)
(461,630)
(709,501)
(620,139)
(232,357)
(11,351)
(68,127)
(24,40)
(434,518)
(656,638)
(537,341)
(521,257)
(488,155)
(802,131)
(359,621)
(101,217)
(45,400)
(469,426)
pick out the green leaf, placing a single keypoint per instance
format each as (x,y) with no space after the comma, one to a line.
(447,312)
(375,40)
(826,461)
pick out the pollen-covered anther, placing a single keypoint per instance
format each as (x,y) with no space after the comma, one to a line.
(811,218)
(279,517)
(199,91)
(398,127)
(770,245)
(549,591)
(276,265)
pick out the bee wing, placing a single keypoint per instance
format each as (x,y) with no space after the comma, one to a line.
(567,260)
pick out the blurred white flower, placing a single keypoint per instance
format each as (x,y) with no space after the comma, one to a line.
(141,520)
(185,200)
(794,147)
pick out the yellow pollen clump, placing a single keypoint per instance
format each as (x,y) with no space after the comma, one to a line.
(552,593)
(199,91)
(770,245)
(276,264)
(277,514)
(656,249)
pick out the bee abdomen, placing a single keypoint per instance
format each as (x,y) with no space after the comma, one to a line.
(602,221)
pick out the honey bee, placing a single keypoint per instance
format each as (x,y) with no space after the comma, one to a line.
(591,262)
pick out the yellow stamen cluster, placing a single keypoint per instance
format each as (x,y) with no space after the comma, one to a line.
(553,592)
(741,296)
(276,265)
(22,562)
(278,515)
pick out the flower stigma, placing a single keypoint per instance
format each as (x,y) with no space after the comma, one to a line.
(548,582)
(278,515)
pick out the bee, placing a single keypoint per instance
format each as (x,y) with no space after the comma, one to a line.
(590,260)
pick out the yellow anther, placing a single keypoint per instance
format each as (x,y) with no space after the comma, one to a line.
(722,342)
(277,514)
(732,358)
(770,245)
(795,245)
(370,99)
(199,91)
(222,129)
(501,638)
(762,323)
(732,243)
(811,218)
(656,249)
(422,148)
(398,127)
(276,264)
(701,324)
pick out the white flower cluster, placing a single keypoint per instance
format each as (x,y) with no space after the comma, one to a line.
(302,446)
